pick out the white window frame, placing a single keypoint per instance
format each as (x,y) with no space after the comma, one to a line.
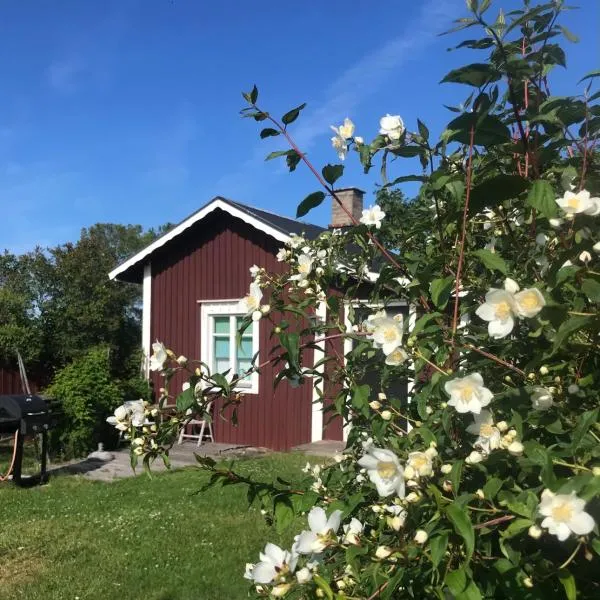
(210,309)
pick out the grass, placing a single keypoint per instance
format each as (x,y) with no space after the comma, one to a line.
(138,538)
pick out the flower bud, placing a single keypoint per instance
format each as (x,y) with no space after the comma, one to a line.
(182,361)
(502,426)
(516,448)
(153,428)
(445,469)
(409,472)
(479,493)
(279,591)
(395,523)
(303,575)
(585,257)
(508,379)
(596,247)
(573,388)
(257,315)
(340,584)
(447,485)
(138,451)
(358,140)
(375,404)
(474,458)
(421,536)
(428,410)
(413,497)
(443,405)
(383,552)
(556,223)
(386,415)
(154,412)
(265,308)
(531,376)
(277,329)
(381,396)
(596,471)
(535,532)
(544,370)
(528,582)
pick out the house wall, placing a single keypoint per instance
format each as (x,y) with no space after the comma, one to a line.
(10,382)
(210,261)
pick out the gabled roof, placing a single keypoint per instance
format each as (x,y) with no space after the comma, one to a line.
(276,226)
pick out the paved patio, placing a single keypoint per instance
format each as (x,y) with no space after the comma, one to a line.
(181,456)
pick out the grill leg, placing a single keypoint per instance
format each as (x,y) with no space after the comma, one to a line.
(43,474)
(18,458)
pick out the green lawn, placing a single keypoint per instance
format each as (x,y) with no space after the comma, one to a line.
(140,538)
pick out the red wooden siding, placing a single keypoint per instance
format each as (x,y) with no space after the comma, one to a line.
(10,382)
(210,262)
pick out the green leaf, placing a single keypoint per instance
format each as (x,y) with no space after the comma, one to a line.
(277,154)
(455,476)
(185,400)
(291,342)
(495,190)
(461,586)
(568,328)
(476,75)
(331,173)
(491,260)
(424,321)
(570,36)
(590,75)
(360,398)
(489,130)
(542,197)
(292,159)
(311,201)
(591,288)
(284,514)
(323,586)
(492,487)
(268,131)
(438,546)
(516,527)
(293,114)
(568,582)
(584,422)
(440,291)
(423,129)
(462,526)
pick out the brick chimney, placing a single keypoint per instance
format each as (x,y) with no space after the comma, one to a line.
(352,199)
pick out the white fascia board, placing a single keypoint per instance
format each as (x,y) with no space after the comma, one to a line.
(198,216)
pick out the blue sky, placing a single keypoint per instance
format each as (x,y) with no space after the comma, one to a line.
(126,111)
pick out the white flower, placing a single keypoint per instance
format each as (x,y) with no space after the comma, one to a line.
(305,264)
(282,254)
(541,399)
(421,464)
(254,270)
(511,286)
(580,202)
(359,140)
(421,536)
(529,302)
(352,531)
(257,315)
(396,357)
(372,216)
(303,575)
(340,146)
(384,470)
(488,435)
(322,531)
(474,458)
(585,257)
(274,565)
(344,131)
(556,223)
(387,332)
(392,126)
(251,303)
(564,515)
(596,247)
(468,394)
(498,309)
(185,386)
(159,356)
(131,413)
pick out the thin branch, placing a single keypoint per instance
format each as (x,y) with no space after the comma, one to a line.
(461,255)
(494,521)
(496,359)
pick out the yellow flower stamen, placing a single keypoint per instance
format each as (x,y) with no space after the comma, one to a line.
(529,300)
(562,512)
(502,310)
(386,469)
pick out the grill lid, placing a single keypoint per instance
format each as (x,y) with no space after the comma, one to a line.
(16,407)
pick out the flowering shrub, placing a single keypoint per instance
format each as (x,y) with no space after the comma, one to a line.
(484,482)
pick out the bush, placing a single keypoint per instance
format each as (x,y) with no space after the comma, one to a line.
(88,395)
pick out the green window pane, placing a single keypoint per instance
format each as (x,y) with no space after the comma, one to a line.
(221,365)
(221,324)
(243,366)
(221,348)
(244,350)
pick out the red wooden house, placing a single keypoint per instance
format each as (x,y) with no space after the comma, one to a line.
(193,278)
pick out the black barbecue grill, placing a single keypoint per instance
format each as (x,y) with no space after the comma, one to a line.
(25,415)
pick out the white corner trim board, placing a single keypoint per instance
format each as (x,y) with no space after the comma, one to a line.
(217,203)
(147,317)
(316,434)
